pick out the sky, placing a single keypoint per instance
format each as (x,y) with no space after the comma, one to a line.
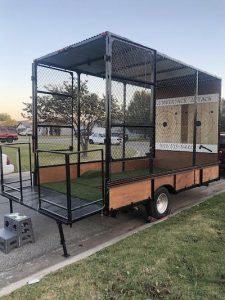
(192,31)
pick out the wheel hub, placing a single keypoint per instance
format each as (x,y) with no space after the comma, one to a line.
(162,203)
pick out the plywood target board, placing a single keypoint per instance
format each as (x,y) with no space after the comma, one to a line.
(175,123)
(168,124)
(207,132)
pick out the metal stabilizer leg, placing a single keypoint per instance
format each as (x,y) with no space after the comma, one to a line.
(62,239)
(11,206)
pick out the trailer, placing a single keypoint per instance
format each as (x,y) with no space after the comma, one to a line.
(165,112)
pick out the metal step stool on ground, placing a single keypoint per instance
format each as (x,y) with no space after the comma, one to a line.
(8,240)
(22,226)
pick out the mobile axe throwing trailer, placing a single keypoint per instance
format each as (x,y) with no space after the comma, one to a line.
(166,113)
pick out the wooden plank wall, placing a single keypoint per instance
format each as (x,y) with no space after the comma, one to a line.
(58,173)
(133,192)
(170,160)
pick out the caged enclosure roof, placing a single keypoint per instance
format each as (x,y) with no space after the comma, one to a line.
(88,57)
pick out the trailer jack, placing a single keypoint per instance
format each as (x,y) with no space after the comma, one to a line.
(62,240)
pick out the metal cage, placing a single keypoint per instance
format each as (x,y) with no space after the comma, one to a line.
(156,118)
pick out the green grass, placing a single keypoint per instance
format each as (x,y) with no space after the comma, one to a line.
(182,258)
(54,159)
(88,186)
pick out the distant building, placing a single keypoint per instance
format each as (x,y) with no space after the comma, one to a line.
(23,125)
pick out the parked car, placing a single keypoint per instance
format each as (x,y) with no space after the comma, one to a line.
(26,132)
(7,136)
(222,151)
(100,138)
(120,134)
(8,167)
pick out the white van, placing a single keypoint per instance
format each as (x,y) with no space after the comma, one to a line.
(100,138)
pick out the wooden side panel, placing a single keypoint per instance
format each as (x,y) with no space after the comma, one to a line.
(116,166)
(210,173)
(185,179)
(171,160)
(197,176)
(56,174)
(126,194)
(92,166)
(164,180)
(136,164)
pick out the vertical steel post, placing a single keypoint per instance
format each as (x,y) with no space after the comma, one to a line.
(78,124)
(72,110)
(195,121)
(219,121)
(34,116)
(102,173)
(30,165)
(62,239)
(1,166)
(68,188)
(20,175)
(108,71)
(152,113)
(38,179)
(124,121)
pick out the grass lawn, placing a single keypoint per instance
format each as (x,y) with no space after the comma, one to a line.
(54,159)
(181,258)
(88,186)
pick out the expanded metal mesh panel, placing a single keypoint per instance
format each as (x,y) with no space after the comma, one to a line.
(136,142)
(131,62)
(55,101)
(133,66)
(186,110)
(138,102)
(54,110)
(118,102)
(92,113)
(50,78)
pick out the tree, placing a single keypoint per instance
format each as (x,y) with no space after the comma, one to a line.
(6,120)
(138,111)
(57,109)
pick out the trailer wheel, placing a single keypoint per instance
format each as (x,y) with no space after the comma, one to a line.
(160,205)
(9,139)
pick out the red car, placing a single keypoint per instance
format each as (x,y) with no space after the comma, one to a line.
(222,151)
(7,135)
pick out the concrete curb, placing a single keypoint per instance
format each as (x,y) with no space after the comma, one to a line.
(39,275)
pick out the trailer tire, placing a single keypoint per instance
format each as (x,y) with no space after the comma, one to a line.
(9,139)
(160,205)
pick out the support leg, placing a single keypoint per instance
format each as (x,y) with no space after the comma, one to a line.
(62,239)
(11,206)
(149,218)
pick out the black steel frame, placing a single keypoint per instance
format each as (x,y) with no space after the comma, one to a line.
(152,84)
(68,207)
(109,38)
(10,184)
